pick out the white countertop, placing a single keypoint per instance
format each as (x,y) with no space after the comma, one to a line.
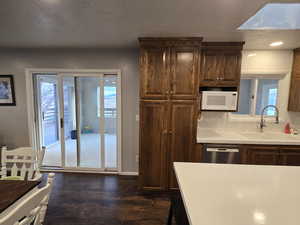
(236,137)
(226,194)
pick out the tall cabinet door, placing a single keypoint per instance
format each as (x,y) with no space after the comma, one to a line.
(184,73)
(154,74)
(153,144)
(294,100)
(182,132)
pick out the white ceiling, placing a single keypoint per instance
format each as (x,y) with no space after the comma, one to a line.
(118,23)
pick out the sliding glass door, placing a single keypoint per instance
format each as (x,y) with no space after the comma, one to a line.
(49,118)
(89,130)
(78,120)
(110,120)
(70,122)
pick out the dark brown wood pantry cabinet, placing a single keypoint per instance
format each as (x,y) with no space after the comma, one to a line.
(169,105)
(294,100)
(171,73)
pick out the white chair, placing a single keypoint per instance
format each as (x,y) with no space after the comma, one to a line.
(32,209)
(19,164)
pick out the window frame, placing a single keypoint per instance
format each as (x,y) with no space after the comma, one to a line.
(254,89)
(98,102)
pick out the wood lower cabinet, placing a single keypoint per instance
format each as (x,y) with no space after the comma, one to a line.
(183,115)
(294,99)
(262,155)
(267,154)
(153,145)
(290,156)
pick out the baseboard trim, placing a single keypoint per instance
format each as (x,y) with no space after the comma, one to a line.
(61,170)
(78,171)
(128,173)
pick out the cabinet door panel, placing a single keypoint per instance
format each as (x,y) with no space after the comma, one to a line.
(294,100)
(153,145)
(290,156)
(154,74)
(182,135)
(184,78)
(211,67)
(263,155)
(231,68)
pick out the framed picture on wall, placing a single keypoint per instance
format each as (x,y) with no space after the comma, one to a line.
(7,90)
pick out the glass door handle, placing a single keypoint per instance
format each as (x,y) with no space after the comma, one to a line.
(61,123)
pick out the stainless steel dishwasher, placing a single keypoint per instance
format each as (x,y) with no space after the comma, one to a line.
(221,154)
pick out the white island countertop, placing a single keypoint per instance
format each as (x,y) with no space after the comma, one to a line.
(226,194)
(219,136)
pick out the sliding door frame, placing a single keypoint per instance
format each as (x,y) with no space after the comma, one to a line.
(32,114)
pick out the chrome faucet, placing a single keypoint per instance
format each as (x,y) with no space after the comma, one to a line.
(262,121)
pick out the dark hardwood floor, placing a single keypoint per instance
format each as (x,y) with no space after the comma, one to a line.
(92,199)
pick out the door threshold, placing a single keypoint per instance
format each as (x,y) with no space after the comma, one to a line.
(62,170)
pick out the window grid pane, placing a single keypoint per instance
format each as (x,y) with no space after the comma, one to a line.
(244,106)
(267,92)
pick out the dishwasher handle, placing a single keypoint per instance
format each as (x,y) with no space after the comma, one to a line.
(223,150)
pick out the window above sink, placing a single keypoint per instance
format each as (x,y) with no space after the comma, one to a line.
(256,93)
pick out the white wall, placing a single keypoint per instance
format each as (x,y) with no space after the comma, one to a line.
(13,119)
(263,63)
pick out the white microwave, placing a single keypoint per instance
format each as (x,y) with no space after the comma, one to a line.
(219,100)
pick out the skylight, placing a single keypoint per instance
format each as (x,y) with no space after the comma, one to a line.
(275,16)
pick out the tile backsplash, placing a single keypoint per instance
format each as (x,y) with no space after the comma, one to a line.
(223,121)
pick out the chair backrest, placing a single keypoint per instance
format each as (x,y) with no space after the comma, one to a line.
(20,162)
(28,211)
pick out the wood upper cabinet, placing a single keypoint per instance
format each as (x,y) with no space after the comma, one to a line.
(153,144)
(294,100)
(221,64)
(211,67)
(290,156)
(262,155)
(182,131)
(231,68)
(154,78)
(184,78)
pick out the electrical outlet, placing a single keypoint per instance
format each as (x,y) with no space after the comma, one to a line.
(137,117)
